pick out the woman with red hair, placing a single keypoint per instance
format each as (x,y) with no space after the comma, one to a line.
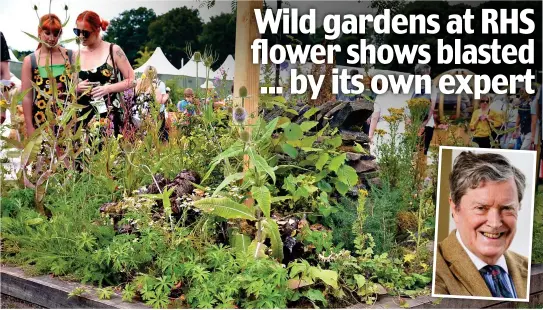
(100,62)
(49,56)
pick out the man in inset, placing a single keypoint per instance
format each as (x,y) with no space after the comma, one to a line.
(485,196)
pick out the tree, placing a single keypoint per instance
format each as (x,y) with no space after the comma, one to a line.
(130,30)
(144,56)
(220,35)
(21,54)
(174,30)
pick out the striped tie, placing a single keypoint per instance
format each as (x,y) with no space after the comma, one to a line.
(498,281)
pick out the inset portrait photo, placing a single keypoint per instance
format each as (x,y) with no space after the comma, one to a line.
(485,209)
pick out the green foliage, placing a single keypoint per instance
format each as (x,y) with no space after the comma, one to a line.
(174,30)
(220,34)
(105,293)
(143,57)
(537,250)
(16,200)
(129,31)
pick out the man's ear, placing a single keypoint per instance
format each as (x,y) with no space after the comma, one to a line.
(452,205)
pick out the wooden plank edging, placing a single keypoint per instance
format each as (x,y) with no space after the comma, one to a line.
(53,293)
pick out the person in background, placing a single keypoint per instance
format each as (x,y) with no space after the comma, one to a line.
(149,89)
(188,105)
(508,111)
(49,56)
(4,74)
(374,120)
(427,129)
(100,62)
(526,121)
(483,122)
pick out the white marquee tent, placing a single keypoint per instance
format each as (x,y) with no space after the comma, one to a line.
(160,62)
(190,68)
(228,66)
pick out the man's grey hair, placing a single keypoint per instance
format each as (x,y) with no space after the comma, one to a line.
(422,69)
(470,169)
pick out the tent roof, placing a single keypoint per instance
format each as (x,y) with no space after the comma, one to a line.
(228,66)
(160,62)
(12,56)
(189,69)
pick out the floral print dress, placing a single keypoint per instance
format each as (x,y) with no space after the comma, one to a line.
(46,86)
(104,74)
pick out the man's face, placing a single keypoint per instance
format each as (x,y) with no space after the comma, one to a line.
(487,219)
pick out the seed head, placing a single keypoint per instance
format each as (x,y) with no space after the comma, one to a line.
(239,115)
(197,57)
(243,92)
(245,136)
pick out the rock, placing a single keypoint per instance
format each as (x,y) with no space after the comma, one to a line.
(350,114)
(324,109)
(336,108)
(354,136)
(364,165)
(353,156)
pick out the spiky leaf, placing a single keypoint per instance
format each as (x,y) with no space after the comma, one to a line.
(272,231)
(226,208)
(260,163)
(263,197)
(229,179)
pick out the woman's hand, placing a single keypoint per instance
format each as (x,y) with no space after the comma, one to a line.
(100,91)
(83,86)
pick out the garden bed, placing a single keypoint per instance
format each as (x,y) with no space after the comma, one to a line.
(51,292)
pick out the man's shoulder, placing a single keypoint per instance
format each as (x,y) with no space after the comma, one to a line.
(516,259)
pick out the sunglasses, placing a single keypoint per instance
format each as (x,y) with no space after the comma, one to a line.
(85,33)
(484,101)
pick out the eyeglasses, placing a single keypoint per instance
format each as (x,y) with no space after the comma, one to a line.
(85,33)
(482,101)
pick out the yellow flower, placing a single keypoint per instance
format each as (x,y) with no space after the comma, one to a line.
(41,104)
(62,78)
(3,103)
(106,72)
(396,111)
(47,82)
(49,90)
(392,118)
(380,132)
(39,80)
(363,192)
(418,103)
(39,117)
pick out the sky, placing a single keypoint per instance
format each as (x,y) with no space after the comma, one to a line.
(17,16)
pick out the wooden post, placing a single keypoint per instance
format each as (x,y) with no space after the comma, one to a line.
(246,73)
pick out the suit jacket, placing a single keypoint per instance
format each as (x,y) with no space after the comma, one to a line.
(457,275)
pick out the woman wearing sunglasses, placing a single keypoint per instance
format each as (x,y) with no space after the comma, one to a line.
(49,56)
(483,122)
(100,63)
